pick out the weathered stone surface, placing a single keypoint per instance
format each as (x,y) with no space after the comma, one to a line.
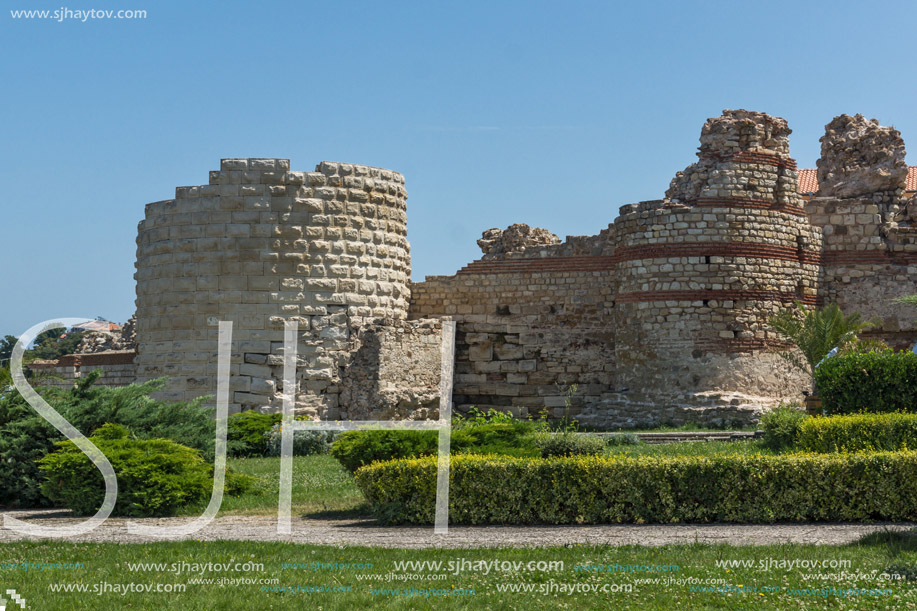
(515,238)
(261,245)
(662,317)
(659,318)
(100,341)
(718,174)
(860,157)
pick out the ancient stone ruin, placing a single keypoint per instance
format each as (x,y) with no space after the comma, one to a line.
(659,318)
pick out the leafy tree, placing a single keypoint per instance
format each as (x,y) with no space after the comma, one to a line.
(816,332)
(54,343)
(6,348)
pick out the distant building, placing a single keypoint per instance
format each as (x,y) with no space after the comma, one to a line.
(104,326)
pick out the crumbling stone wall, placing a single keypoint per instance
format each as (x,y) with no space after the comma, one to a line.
(531,323)
(118,369)
(859,157)
(260,245)
(743,159)
(870,238)
(394,373)
(515,238)
(101,341)
(659,318)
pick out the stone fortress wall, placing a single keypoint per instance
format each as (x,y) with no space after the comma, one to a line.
(659,318)
(261,245)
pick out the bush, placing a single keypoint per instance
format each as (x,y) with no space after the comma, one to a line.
(26,437)
(780,426)
(510,438)
(250,430)
(854,432)
(650,489)
(476,416)
(868,382)
(622,439)
(569,444)
(155,476)
(355,449)
(305,443)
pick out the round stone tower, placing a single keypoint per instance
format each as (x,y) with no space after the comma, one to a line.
(259,245)
(700,272)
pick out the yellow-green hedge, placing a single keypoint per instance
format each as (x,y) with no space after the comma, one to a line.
(649,489)
(855,432)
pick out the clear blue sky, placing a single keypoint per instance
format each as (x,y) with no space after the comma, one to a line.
(553,114)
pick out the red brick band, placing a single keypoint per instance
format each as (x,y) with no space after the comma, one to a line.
(636,253)
(868,257)
(693,249)
(545,265)
(750,157)
(98,359)
(717,249)
(649,296)
(740,344)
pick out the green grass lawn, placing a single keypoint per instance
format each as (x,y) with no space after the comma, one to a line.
(321,487)
(686,576)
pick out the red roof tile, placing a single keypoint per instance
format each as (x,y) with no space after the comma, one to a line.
(808,180)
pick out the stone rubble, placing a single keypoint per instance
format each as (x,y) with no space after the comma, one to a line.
(515,238)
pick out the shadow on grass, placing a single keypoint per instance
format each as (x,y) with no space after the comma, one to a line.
(895,542)
(362,511)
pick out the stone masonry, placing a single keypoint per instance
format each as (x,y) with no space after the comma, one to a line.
(662,317)
(261,245)
(659,318)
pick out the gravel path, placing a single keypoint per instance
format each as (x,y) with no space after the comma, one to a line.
(366,532)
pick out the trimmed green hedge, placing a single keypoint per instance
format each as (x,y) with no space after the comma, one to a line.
(355,449)
(856,432)
(868,382)
(649,489)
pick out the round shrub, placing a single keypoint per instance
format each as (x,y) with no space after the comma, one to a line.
(883,381)
(26,437)
(155,476)
(569,444)
(354,449)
